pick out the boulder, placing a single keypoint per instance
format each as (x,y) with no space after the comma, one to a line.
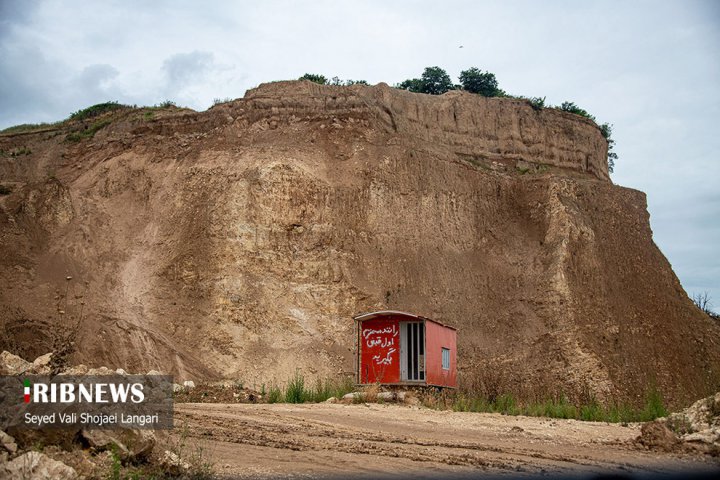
(130,444)
(7,442)
(189,384)
(37,466)
(331,400)
(41,365)
(177,388)
(12,364)
(173,465)
(100,371)
(120,371)
(76,370)
(154,372)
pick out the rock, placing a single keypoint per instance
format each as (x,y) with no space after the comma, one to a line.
(37,466)
(177,388)
(391,396)
(331,400)
(353,396)
(189,384)
(76,370)
(130,444)
(657,436)
(154,372)
(41,365)
(7,442)
(12,364)
(100,371)
(173,465)
(120,371)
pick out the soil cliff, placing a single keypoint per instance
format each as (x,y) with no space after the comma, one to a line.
(238,242)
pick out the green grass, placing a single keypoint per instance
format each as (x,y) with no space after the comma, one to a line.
(298,391)
(97,110)
(88,132)
(29,127)
(560,407)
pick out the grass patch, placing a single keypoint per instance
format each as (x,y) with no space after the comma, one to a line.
(29,127)
(89,132)
(297,390)
(96,110)
(561,407)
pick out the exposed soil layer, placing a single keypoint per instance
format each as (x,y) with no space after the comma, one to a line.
(239,242)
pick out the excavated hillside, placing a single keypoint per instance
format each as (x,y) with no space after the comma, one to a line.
(239,242)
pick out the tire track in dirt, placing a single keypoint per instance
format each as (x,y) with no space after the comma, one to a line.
(286,430)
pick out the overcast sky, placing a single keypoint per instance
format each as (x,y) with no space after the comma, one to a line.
(651,68)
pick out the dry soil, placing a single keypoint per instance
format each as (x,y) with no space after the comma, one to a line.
(384,440)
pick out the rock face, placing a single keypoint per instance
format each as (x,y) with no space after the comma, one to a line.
(239,242)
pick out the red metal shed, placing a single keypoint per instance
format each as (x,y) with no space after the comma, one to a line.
(398,348)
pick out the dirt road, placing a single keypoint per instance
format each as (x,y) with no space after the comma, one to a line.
(378,440)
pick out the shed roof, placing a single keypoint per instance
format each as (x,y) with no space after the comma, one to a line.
(386,313)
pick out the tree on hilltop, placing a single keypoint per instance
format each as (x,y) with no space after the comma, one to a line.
(474,80)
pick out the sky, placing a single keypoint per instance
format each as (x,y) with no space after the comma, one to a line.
(650,68)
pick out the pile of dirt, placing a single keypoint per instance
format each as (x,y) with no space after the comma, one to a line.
(238,243)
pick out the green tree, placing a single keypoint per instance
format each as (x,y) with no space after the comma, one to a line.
(314,77)
(434,81)
(475,80)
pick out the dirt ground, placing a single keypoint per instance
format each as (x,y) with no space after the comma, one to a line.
(385,440)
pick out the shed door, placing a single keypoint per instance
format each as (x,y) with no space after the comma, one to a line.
(412,351)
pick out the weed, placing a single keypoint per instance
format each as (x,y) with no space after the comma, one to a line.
(274,394)
(295,390)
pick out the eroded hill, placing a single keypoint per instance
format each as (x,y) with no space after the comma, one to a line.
(239,242)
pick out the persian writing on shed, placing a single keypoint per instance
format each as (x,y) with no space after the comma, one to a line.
(382,339)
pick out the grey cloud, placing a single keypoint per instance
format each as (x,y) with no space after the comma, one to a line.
(183,69)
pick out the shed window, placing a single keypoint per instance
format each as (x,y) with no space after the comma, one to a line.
(446,358)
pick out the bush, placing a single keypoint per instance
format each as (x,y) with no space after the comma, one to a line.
(314,77)
(606,130)
(572,108)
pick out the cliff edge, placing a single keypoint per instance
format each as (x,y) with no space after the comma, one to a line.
(238,242)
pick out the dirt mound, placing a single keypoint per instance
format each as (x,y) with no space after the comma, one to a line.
(239,242)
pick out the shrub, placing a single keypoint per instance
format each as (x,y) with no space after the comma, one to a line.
(5,190)
(606,130)
(572,108)
(314,77)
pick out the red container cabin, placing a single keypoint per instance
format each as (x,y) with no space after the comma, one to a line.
(398,348)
